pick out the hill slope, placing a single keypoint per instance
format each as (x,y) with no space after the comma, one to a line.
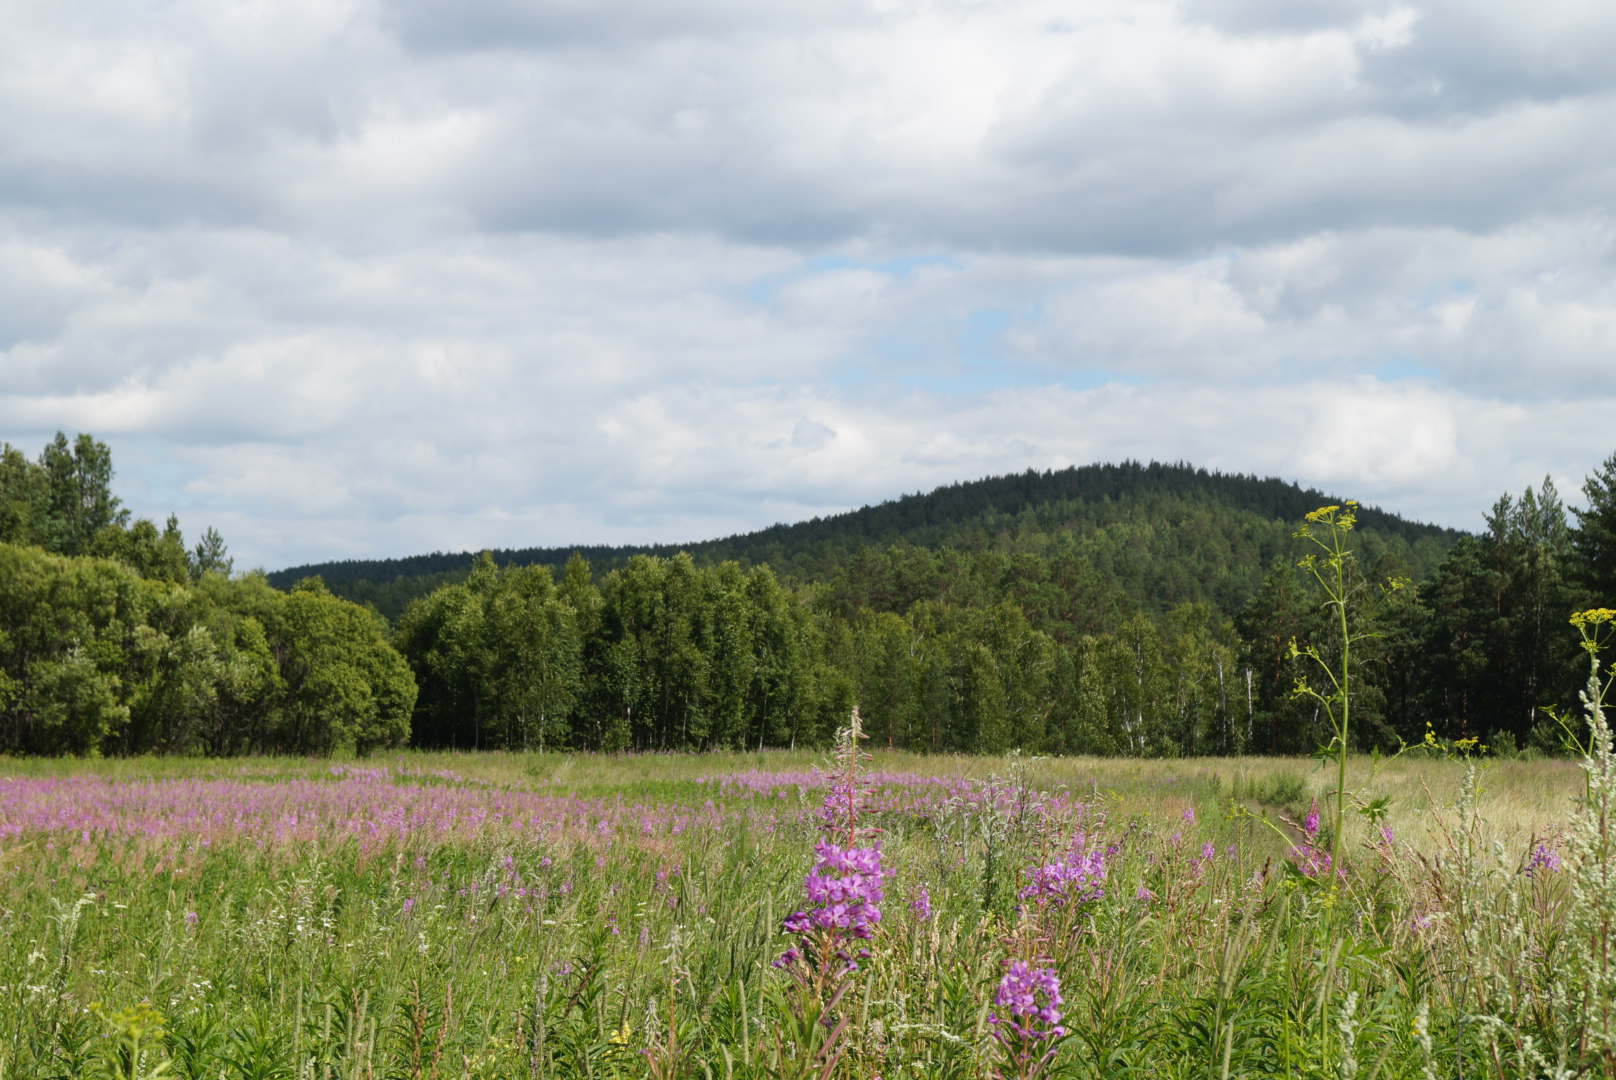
(1159,533)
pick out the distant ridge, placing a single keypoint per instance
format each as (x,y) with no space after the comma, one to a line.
(942,517)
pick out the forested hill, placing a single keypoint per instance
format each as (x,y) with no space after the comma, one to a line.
(1159,534)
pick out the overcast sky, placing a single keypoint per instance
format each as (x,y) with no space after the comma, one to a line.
(351,278)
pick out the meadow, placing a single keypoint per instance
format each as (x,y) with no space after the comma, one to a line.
(453,915)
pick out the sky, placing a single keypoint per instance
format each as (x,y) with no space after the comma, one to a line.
(368,278)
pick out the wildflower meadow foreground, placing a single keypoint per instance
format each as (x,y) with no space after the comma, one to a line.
(775,916)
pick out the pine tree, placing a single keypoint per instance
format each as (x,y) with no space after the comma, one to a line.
(211,555)
(1594,539)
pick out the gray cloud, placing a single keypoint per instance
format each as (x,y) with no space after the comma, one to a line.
(1121,128)
(360,277)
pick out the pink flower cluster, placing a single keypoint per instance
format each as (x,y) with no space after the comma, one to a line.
(1077,878)
(1030,996)
(844,891)
(890,792)
(1544,860)
(1312,860)
(783,784)
(373,807)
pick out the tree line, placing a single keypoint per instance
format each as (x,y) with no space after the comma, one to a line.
(1163,625)
(980,652)
(116,638)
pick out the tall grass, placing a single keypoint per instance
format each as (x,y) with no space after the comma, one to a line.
(573,916)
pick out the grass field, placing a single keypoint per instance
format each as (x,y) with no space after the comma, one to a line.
(436,915)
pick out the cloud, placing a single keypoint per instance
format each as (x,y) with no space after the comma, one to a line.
(380,276)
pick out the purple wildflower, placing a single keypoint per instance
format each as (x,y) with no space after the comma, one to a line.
(1030,996)
(921,905)
(1312,860)
(409,905)
(1076,879)
(1020,989)
(844,889)
(190,920)
(1208,851)
(1544,860)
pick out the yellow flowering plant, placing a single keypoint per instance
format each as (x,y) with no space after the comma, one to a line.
(1327,529)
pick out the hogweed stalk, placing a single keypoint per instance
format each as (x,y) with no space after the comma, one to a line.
(1332,571)
(1328,529)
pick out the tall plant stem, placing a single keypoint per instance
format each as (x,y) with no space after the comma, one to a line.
(1330,571)
(1344,729)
